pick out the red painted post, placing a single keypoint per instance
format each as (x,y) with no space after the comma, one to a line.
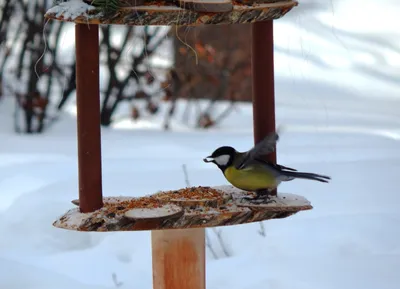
(263,81)
(88,111)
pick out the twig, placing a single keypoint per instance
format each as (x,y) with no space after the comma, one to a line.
(185,173)
(225,113)
(115,280)
(262,229)
(224,248)
(209,246)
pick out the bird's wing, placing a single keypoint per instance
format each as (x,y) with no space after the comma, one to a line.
(264,147)
(278,167)
(264,166)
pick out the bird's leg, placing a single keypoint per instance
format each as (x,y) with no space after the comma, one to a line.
(263,196)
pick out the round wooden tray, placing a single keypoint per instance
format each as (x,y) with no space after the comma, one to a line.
(167,13)
(151,213)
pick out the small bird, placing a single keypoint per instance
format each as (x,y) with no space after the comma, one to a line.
(249,172)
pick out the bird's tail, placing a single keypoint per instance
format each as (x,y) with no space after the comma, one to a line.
(309,176)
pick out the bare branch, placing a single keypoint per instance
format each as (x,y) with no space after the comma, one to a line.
(221,241)
(262,229)
(186,175)
(115,280)
(210,247)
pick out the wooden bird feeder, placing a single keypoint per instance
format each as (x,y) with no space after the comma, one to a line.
(178,218)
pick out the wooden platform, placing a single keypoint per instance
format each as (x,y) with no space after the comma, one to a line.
(166,13)
(194,207)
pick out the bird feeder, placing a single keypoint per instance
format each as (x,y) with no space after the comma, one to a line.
(177,219)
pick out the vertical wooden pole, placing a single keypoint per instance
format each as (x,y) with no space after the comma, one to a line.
(179,259)
(88,111)
(263,81)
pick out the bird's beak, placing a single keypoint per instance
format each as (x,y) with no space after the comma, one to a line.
(208,159)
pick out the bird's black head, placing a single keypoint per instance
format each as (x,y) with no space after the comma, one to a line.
(223,157)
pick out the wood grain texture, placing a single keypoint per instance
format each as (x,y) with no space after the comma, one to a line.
(166,13)
(178,259)
(114,216)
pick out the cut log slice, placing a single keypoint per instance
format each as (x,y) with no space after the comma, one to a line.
(167,211)
(210,217)
(251,2)
(122,214)
(121,3)
(75,202)
(125,201)
(211,6)
(194,197)
(150,213)
(167,13)
(108,219)
(150,218)
(284,204)
(131,3)
(280,201)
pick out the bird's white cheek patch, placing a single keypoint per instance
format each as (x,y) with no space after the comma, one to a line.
(222,160)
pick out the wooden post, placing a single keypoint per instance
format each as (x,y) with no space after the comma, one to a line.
(178,259)
(88,111)
(263,81)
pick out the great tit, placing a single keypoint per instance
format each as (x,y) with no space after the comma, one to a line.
(249,172)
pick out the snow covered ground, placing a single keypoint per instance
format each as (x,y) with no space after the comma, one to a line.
(337,66)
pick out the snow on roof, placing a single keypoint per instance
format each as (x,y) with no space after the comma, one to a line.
(71,9)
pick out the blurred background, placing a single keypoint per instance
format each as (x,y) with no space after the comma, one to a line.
(169,97)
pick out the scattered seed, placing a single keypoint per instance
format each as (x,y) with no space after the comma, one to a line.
(111,215)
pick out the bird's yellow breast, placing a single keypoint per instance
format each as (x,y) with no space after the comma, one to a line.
(250,179)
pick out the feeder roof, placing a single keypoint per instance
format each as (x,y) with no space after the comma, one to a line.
(168,13)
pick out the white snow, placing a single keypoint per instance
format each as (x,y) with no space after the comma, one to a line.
(337,89)
(71,9)
(73,219)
